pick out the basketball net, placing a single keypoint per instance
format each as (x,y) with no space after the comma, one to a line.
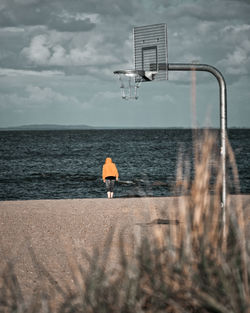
(129,84)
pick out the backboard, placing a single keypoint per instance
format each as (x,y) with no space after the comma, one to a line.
(150,51)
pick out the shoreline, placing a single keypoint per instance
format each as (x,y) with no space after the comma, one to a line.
(242,195)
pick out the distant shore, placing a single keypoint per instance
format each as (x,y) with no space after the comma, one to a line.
(50,127)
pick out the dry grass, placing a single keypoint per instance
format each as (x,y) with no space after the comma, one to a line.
(188,267)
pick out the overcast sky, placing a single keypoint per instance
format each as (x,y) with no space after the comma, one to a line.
(57,59)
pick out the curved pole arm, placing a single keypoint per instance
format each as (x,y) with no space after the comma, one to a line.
(219,77)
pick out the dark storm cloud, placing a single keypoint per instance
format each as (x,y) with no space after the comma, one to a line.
(15,13)
(43,17)
(49,14)
(52,13)
(107,7)
(71,26)
(7,19)
(213,10)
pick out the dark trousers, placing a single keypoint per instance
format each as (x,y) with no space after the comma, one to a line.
(110,183)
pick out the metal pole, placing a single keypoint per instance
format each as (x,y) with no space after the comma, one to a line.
(223,121)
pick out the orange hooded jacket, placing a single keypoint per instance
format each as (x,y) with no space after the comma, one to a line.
(109,169)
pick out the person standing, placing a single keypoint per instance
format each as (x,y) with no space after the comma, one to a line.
(109,175)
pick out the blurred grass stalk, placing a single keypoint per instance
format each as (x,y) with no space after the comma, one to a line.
(186,267)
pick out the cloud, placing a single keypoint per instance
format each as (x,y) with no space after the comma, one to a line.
(68,22)
(15,73)
(38,95)
(213,10)
(12,29)
(50,49)
(50,14)
(35,96)
(16,14)
(237,62)
(39,51)
(236,29)
(105,7)
(62,15)
(237,59)
(26,2)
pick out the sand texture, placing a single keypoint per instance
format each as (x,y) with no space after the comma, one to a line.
(57,231)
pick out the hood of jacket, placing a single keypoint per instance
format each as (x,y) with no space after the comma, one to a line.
(108,160)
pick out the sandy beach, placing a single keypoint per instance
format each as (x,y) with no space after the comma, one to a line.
(57,231)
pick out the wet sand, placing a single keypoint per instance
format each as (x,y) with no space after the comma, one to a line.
(57,231)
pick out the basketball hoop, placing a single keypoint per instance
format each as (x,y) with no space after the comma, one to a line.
(130,81)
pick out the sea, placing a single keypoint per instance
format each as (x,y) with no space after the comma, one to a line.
(67,164)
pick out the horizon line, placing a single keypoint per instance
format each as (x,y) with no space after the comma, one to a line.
(89,127)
